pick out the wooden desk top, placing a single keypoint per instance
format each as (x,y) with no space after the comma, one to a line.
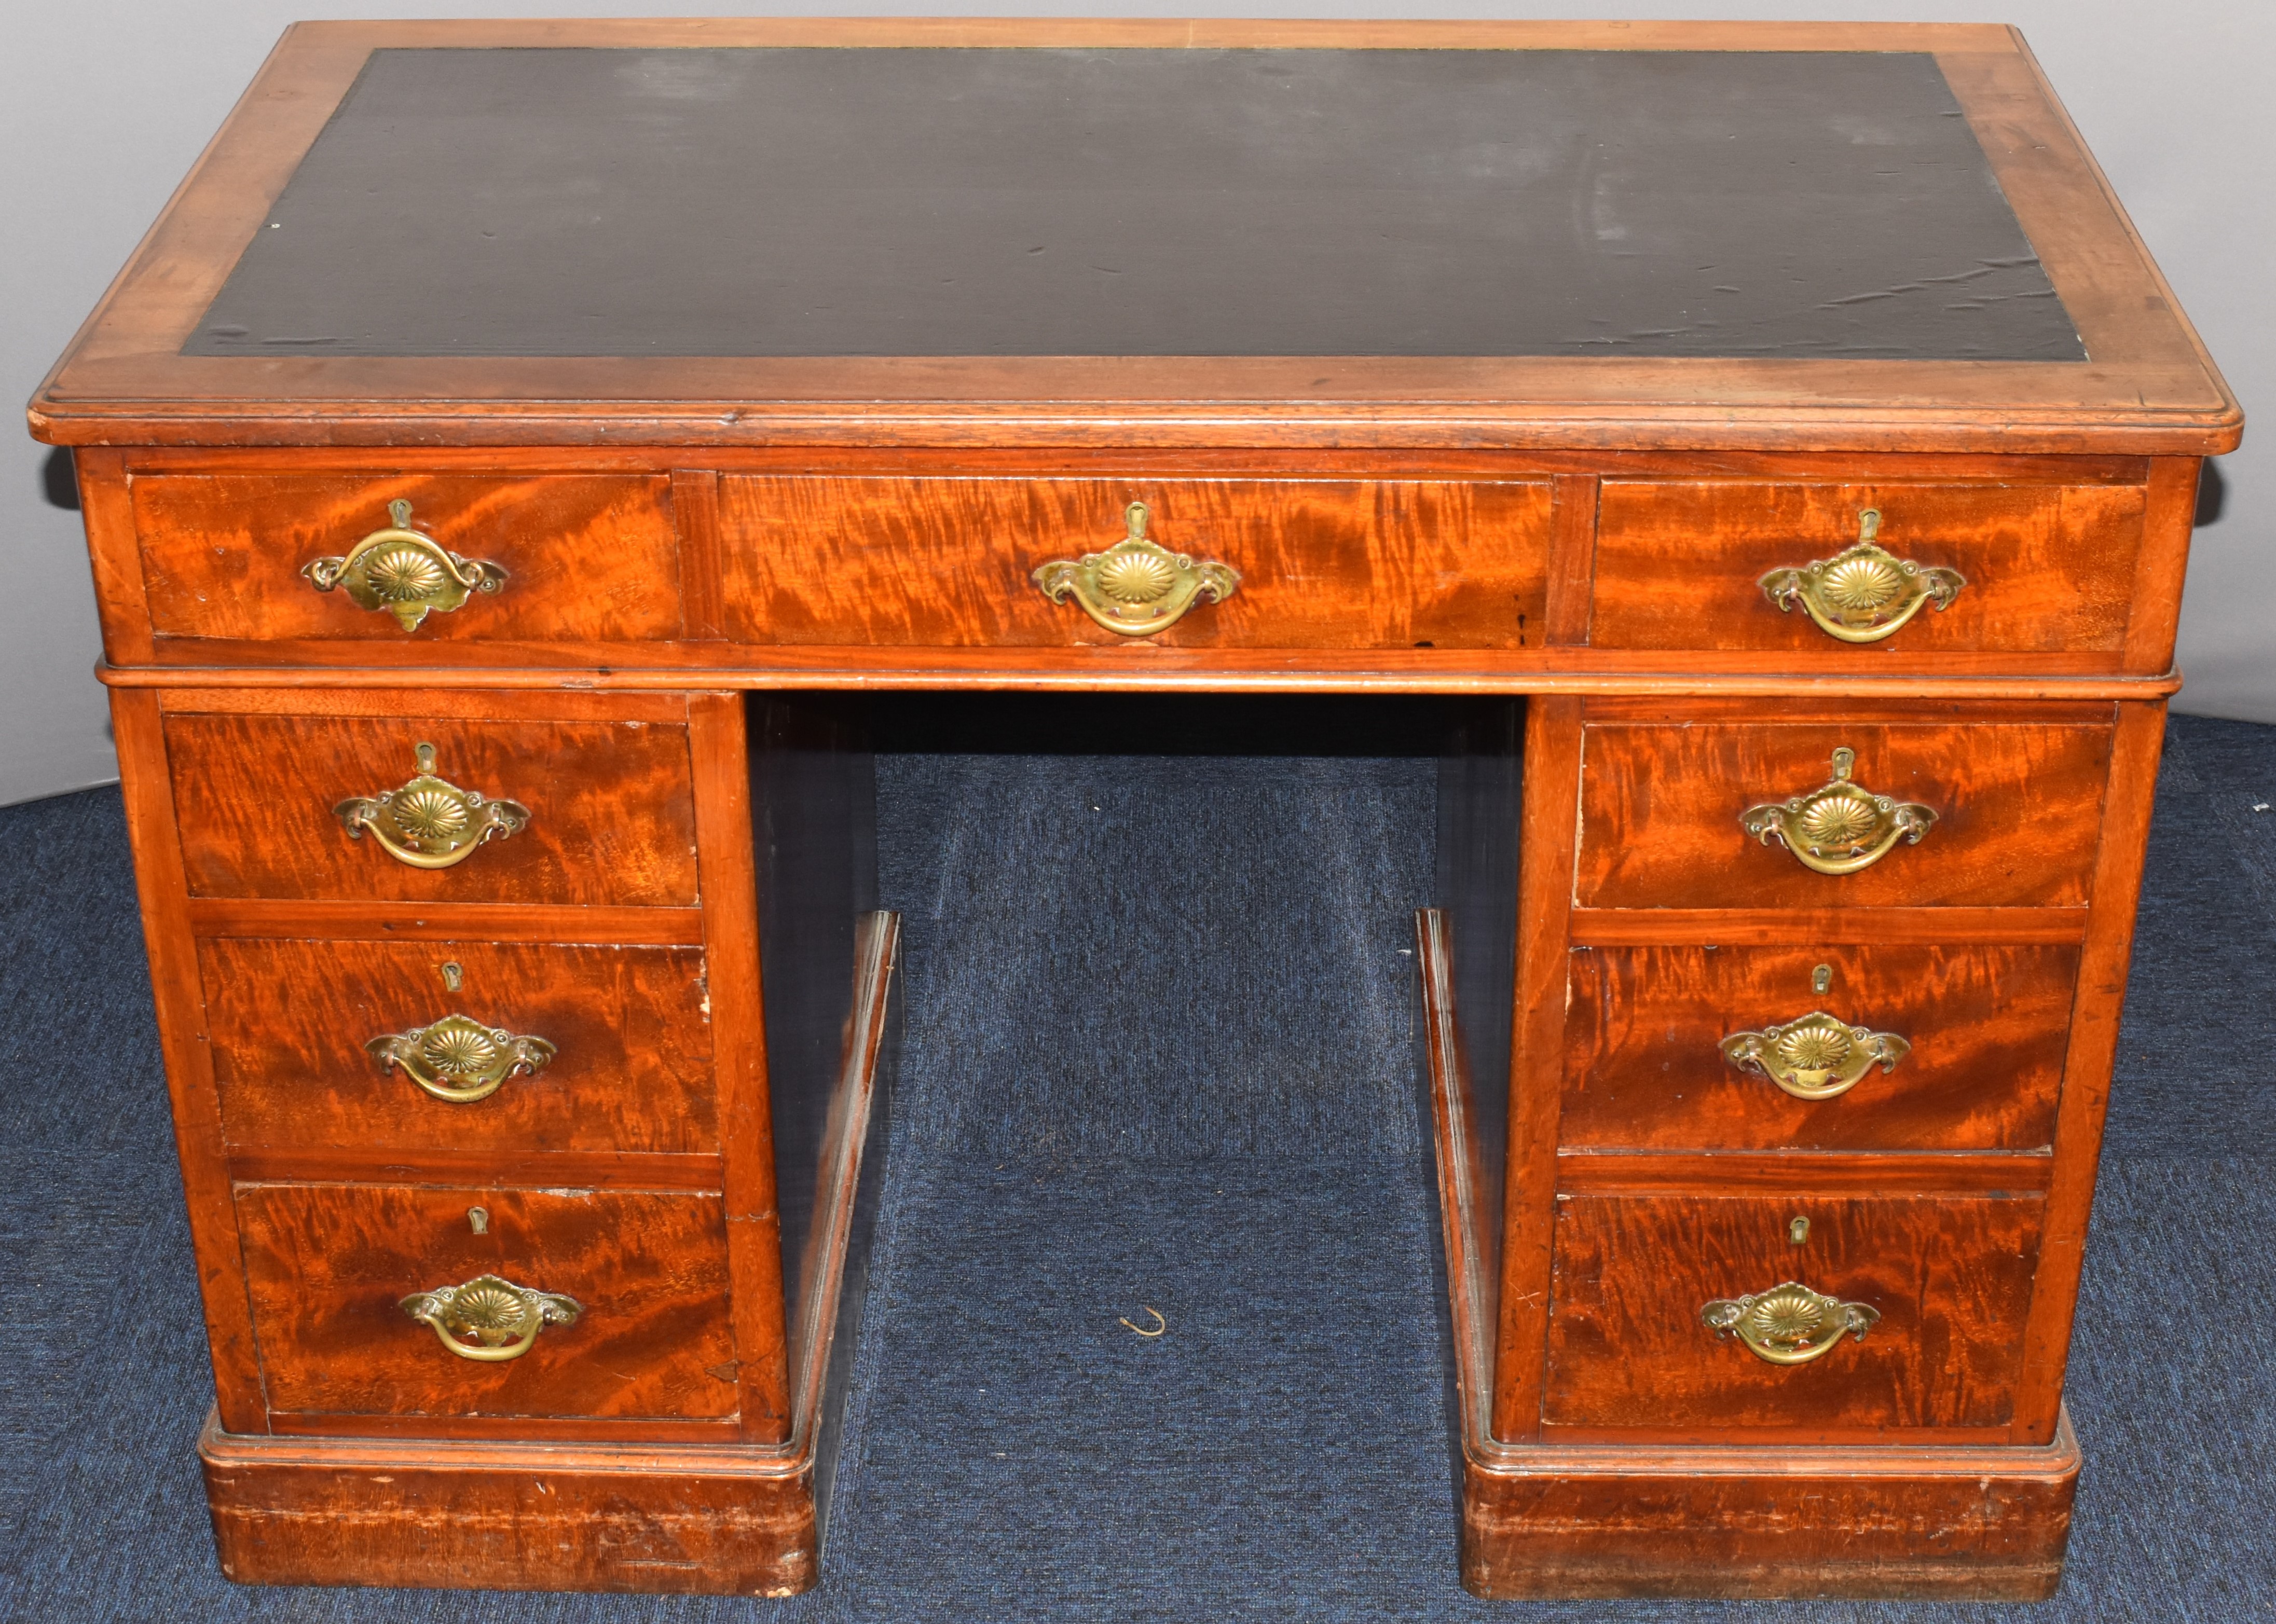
(1550,235)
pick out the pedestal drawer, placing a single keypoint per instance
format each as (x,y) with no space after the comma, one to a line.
(587,809)
(1685,812)
(1346,564)
(378,1046)
(539,557)
(1736,1047)
(644,1336)
(2011,567)
(1945,1279)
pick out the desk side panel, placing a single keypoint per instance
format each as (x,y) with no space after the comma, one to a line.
(164,892)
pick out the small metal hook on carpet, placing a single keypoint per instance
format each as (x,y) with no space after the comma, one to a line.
(1160,1324)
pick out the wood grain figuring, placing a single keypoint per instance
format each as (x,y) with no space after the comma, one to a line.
(1951,1276)
(326,1266)
(1550,766)
(1083,668)
(1887,1523)
(456,1516)
(1362,564)
(108,515)
(611,808)
(695,509)
(1643,1067)
(730,938)
(631,1024)
(487,1168)
(2158,574)
(196,1108)
(2018,812)
(393,700)
(587,557)
(1823,1172)
(1862,927)
(2094,1031)
(1013,461)
(446,921)
(1571,558)
(2048,568)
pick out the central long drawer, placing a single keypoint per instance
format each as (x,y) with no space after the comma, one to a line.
(1342,564)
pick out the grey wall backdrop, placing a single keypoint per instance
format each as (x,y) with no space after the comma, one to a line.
(106,102)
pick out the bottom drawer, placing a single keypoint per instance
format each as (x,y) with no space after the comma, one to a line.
(1949,1278)
(328,1266)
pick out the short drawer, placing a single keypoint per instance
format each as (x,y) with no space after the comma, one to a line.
(2019,568)
(566,558)
(579,812)
(1945,1281)
(1354,564)
(1758,1048)
(466,1046)
(328,1267)
(1678,812)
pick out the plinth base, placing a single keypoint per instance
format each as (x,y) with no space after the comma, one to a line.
(516,1517)
(1579,1520)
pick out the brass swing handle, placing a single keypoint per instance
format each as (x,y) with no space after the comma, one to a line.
(488,1319)
(1839,827)
(404,571)
(1815,1055)
(1865,593)
(430,823)
(1789,1324)
(1137,586)
(459,1058)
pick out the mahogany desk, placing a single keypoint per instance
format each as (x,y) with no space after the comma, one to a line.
(518,443)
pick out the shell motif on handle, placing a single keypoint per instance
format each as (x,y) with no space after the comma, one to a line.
(1864,593)
(406,572)
(1789,1324)
(1137,586)
(488,1319)
(1840,826)
(430,822)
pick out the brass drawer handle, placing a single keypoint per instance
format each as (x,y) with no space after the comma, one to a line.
(404,571)
(459,1058)
(1137,586)
(1815,1055)
(489,1319)
(1790,1323)
(1865,593)
(429,823)
(1839,827)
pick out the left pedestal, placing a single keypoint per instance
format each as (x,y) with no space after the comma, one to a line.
(523,1209)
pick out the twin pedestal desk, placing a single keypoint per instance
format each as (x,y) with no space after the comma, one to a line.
(518,447)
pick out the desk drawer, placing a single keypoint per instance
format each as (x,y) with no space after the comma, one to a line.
(1353,563)
(615,1050)
(2029,569)
(1969,1040)
(328,1266)
(1672,810)
(574,558)
(1948,1276)
(584,812)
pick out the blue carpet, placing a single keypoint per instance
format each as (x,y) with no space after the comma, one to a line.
(1157,1050)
